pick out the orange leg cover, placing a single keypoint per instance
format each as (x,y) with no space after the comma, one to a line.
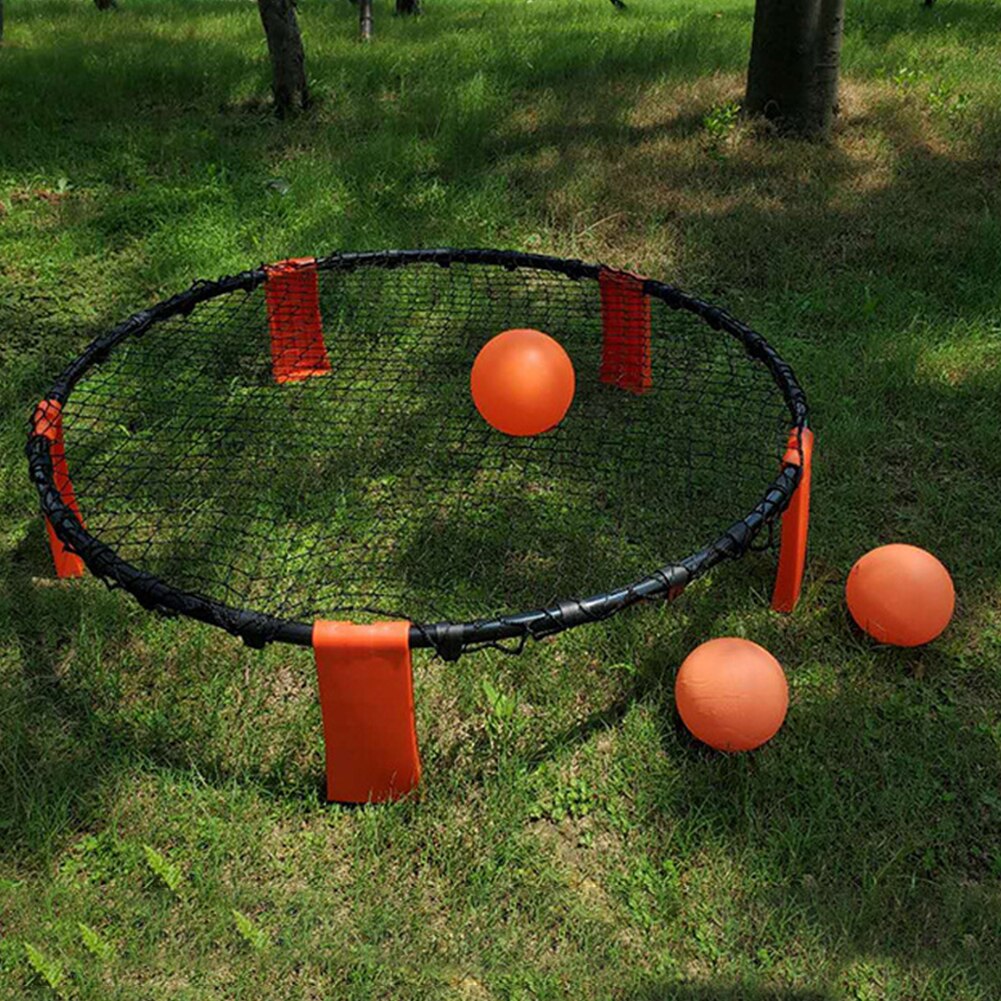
(795,527)
(625,320)
(48,422)
(297,348)
(367,701)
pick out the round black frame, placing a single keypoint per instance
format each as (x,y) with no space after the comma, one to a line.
(449,639)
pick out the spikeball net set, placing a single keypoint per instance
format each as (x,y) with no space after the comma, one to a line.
(294,454)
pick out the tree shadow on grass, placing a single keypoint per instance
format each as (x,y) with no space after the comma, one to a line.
(90,705)
(746,212)
(54,760)
(710,991)
(868,810)
(959,19)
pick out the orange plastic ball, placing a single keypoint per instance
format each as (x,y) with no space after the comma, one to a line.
(900,594)
(522,382)
(731,694)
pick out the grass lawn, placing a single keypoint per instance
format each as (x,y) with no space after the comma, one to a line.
(161,832)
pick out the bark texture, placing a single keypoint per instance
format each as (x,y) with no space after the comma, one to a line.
(365,20)
(288,61)
(792,78)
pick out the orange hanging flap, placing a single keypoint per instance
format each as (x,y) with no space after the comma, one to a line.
(795,526)
(293,301)
(625,321)
(48,423)
(367,702)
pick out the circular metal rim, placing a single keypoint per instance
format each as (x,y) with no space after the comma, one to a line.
(448,639)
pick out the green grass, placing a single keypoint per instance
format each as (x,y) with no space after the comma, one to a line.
(161,834)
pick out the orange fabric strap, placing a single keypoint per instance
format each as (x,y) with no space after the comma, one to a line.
(625,321)
(367,701)
(48,423)
(795,526)
(293,302)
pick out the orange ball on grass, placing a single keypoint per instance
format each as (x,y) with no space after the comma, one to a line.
(731,694)
(900,594)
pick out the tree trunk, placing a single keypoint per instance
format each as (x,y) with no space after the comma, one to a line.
(365,20)
(793,74)
(288,62)
(408,6)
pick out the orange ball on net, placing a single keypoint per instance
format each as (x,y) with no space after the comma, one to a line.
(522,382)
(900,594)
(731,694)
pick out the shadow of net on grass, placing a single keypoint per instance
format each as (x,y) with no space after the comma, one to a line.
(377,488)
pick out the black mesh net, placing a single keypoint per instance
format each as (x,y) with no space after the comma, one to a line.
(377,487)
